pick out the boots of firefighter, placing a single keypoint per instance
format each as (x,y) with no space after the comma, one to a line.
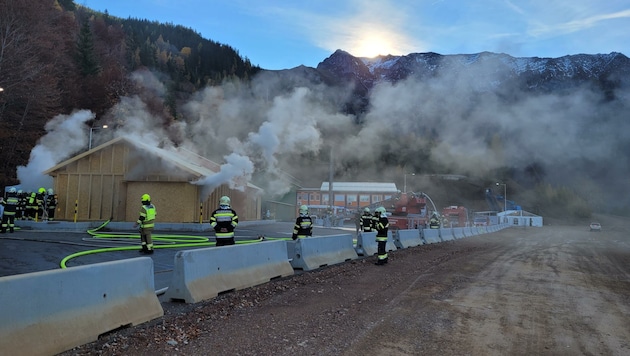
(144,249)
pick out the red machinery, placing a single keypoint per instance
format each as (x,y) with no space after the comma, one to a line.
(408,211)
(454,216)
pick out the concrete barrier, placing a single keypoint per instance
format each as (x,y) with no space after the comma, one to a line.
(407,238)
(470,231)
(46,313)
(315,252)
(431,236)
(205,273)
(367,246)
(458,232)
(446,234)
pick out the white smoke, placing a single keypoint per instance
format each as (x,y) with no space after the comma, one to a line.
(262,130)
(65,135)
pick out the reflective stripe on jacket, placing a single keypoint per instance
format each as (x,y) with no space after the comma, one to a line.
(223,221)
(147,216)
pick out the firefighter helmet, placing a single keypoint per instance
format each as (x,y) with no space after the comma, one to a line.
(304,210)
(50,191)
(12,190)
(380,210)
(224,201)
(146,197)
(367,210)
(42,190)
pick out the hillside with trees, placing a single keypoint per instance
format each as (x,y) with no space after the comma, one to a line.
(57,56)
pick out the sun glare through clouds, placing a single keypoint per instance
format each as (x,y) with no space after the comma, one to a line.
(372,46)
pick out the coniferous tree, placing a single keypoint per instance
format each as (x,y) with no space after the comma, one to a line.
(86,58)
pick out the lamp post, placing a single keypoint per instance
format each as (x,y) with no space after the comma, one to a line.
(405,181)
(91,134)
(504,195)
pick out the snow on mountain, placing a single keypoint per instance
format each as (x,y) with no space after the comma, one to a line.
(498,68)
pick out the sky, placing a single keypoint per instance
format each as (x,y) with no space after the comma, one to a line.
(281,34)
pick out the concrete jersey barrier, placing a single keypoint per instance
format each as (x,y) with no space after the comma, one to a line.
(447,234)
(202,274)
(431,236)
(458,232)
(315,252)
(367,246)
(470,231)
(407,238)
(48,312)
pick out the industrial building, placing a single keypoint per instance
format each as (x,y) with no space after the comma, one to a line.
(348,197)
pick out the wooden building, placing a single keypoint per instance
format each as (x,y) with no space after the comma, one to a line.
(108,181)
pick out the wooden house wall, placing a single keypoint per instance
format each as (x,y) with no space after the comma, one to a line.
(108,184)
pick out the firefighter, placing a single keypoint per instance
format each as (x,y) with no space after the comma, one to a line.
(51,204)
(21,209)
(382,226)
(146,221)
(40,200)
(434,222)
(10,208)
(224,220)
(303,224)
(366,221)
(31,205)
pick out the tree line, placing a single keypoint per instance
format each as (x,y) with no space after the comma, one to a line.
(57,56)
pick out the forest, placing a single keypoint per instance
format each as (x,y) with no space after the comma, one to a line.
(57,56)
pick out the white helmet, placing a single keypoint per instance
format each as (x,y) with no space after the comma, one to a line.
(367,210)
(304,210)
(224,202)
(50,191)
(12,190)
(380,210)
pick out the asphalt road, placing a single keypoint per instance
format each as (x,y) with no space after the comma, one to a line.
(27,251)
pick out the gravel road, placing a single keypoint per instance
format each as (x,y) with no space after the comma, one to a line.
(555,290)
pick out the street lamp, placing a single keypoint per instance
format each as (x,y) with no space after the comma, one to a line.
(91,134)
(405,181)
(504,195)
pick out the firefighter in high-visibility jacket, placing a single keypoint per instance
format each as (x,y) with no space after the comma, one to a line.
(224,220)
(366,221)
(434,222)
(303,224)
(10,208)
(31,205)
(146,221)
(382,226)
(40,200)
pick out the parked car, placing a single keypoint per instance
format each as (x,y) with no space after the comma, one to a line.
(595,226)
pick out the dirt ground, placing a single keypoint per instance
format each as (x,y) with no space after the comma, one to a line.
(555,290)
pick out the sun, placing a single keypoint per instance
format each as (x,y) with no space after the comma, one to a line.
(372,46)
